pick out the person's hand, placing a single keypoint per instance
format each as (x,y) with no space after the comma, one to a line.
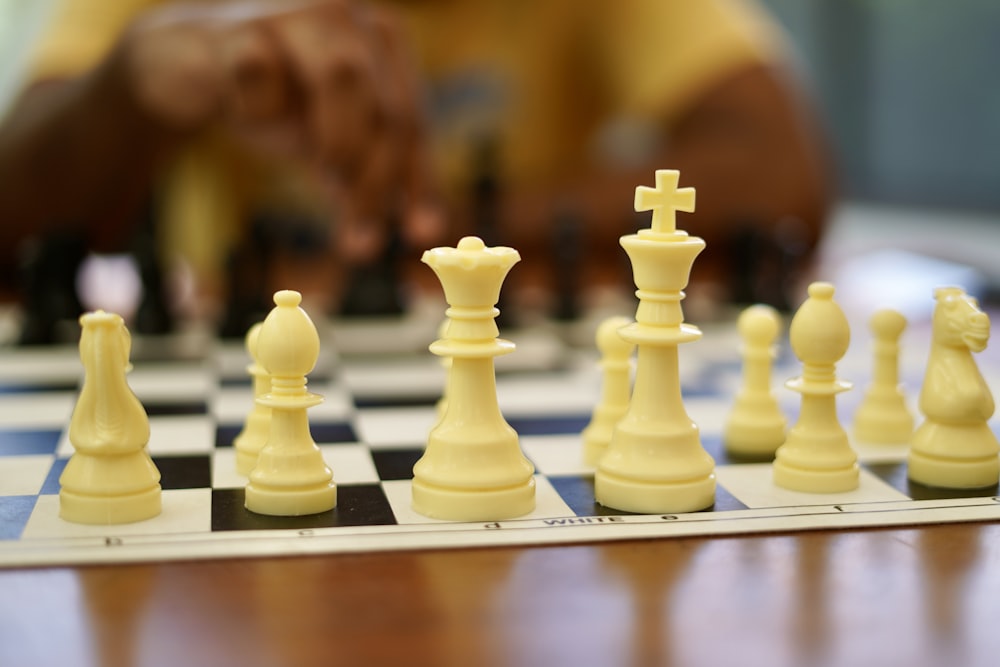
(326,81)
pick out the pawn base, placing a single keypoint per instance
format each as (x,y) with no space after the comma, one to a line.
(108,510)
(290,502)
(816,480)
(757,438)
(659,497)
(883,429)
(452,504)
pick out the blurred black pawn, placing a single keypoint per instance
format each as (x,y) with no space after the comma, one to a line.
(48,274)
(247,268)
(374,289)
(567,253)
(153,315)
(766,263)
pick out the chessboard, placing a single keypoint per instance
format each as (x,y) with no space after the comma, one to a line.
(379,407)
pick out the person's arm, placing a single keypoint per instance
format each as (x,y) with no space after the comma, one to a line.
(750,147)
(317,81)
(76,152)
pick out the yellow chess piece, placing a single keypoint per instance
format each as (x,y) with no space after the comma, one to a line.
(817,456)
(955,447)
(291,477)
(655,462)
(616,364)
(756,425)
(883,416)
(110,478)
(473,468)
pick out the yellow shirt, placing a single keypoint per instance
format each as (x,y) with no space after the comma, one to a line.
(542,80)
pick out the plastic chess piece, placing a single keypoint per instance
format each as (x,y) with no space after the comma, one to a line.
(257,427)
(473,468)
(955,447)
(442,404)
(616,367)
(883,416)
(290,478)
(655,462)
(756,426)
(817,456)
(110,478)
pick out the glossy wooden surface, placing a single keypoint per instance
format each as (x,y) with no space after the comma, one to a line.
(927,596)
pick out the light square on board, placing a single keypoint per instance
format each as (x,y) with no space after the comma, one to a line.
(184,511)
(176,382)
(418,378)
(231,405)
(875,453)
(395,427)
(753,484)
(168,435)
(42,366)
(544,395)
(548,503)
(556,455)
(37,410)
(23,475)
(351,464)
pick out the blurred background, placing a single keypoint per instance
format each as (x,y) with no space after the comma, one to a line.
(906,93)
(907,89)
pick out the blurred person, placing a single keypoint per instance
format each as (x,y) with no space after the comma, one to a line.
(277,133)
(543,119)
(545,116)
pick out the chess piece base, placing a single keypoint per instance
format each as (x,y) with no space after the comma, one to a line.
(754,436)
(932,465)
(291,502)
(816,480)
(107,510)
(884,431)
(451,504)
(944,474)
(657,497)
(885,423)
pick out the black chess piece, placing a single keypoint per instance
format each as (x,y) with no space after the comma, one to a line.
(48,273)
(153,316)
(247,267)
(567,251)
(486,192)
(765,262)
(373,289)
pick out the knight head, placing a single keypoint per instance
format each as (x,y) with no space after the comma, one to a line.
(959,321)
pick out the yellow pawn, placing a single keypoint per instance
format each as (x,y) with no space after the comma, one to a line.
(616,353)
(110,478)
(756,426)
(883,416)
(817,456)
(255,431)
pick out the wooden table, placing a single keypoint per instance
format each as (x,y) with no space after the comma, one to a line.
(928,596)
